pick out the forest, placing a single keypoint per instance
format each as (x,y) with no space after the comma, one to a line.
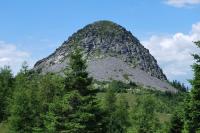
(31,102)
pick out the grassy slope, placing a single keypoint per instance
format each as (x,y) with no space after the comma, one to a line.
(166,103)
(3,128)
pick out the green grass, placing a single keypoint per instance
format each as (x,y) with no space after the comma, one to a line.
(132,100)
(4,128)
(163,117)
(165,102)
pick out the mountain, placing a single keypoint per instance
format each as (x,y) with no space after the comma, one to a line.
(112,53)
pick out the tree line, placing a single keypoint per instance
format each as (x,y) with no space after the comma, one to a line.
(34,103)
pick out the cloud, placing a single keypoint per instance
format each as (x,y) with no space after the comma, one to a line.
(10,55)
(182,3)
(174,52)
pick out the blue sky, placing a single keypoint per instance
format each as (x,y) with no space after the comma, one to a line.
(31,30)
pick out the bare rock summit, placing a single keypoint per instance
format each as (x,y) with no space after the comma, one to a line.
(112,53)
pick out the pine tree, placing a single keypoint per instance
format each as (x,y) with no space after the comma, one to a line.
(121,116)
(63,115)
(180,86)
(177,122)
(25,105)
(6,89)
(50,86)
(192,112)
(79,111)
(110,107)
(116,118)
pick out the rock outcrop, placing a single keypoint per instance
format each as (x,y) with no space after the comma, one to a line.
(108,44)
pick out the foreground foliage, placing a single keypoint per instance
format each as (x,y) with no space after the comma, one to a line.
(6,88)
(77,110)
(192,109)
(35,103)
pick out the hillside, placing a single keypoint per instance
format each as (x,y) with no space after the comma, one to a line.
(112,53)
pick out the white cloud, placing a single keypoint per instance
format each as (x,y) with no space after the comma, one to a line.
(174,52)
(182,3)
(10,55)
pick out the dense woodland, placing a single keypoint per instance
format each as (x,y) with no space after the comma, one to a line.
(75,103)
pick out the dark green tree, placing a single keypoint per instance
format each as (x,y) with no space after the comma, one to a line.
(64,114)
(79,110)
(121,116)
(177,122)
(6,89)
(178,85)
(24,107)
(117,110)
(50,86)
(192,109)
(110,107)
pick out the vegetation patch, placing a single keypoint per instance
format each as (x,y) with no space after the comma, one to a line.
(126,76)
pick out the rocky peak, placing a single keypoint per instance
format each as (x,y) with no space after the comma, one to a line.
(102,39)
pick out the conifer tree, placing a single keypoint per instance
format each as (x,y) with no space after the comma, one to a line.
(25,105)
(121,116)
(178,85)
(117,119)
(50,86)
(177,122)
(77,110)
(192,111)
(6,89)
(110,107)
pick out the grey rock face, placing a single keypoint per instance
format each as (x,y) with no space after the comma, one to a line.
(103,40)
(112,68)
